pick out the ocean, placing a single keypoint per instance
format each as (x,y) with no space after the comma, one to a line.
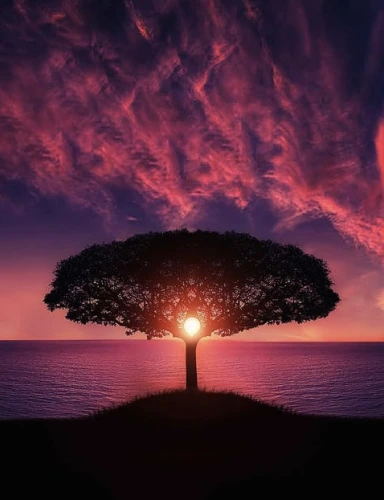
(53,379)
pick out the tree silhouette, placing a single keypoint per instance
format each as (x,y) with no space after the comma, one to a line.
(230,282)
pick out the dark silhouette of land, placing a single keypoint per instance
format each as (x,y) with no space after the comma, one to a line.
(191,445)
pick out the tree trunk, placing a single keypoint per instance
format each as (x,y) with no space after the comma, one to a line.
(191,369)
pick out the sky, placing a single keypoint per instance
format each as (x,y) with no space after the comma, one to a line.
(131,116)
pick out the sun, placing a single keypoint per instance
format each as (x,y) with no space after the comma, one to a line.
(192,326)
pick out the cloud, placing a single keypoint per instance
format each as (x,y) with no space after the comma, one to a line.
(184,102)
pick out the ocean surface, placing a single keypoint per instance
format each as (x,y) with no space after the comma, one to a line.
(73,378)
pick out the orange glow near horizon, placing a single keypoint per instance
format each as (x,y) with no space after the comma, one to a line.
(358,318)
(192,326)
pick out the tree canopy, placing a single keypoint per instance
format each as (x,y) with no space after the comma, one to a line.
(233,281)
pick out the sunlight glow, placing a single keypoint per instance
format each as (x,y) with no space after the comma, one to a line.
(192,326)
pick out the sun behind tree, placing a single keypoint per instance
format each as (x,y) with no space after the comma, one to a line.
(191,285)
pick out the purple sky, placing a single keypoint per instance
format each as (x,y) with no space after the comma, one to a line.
(263,117)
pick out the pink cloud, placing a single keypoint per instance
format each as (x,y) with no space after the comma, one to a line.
(219,106)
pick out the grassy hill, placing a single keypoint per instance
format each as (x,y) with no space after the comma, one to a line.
(190,445)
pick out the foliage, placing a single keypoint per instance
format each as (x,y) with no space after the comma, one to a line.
(233,281)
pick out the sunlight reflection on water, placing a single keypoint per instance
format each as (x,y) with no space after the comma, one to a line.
(71,378)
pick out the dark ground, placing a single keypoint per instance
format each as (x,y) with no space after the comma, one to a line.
(196,445)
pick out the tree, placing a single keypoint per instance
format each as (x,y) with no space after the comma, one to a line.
(229,282)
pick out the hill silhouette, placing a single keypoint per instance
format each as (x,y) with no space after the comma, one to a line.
(189,445)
